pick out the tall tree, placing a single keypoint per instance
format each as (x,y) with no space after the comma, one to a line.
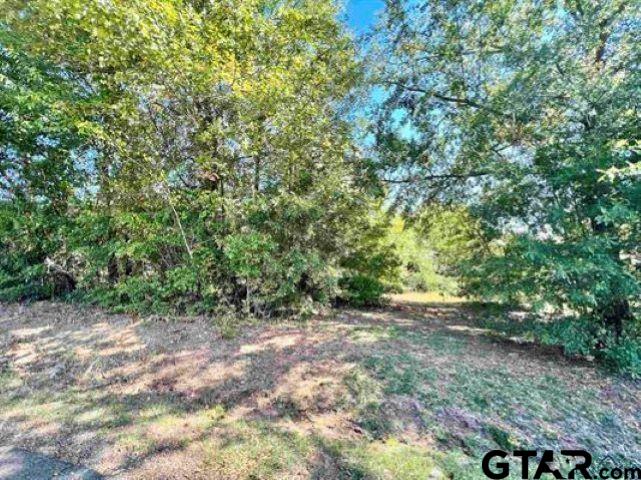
(218,167)
(517,109)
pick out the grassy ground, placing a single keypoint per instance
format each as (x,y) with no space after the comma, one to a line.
(413,391)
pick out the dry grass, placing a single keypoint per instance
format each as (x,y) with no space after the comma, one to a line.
(423,298)
(406,392)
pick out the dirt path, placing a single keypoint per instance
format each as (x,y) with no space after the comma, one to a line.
(410,391)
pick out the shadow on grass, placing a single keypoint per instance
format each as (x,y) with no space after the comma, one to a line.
(321,400)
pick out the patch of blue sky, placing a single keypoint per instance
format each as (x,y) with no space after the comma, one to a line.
(361,15)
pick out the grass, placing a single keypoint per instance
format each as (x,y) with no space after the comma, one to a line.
(388,459)
(412,391)
(424,298)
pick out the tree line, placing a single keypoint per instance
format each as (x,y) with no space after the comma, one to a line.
(191,155)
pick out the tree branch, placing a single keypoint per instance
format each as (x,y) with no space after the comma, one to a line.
(443,176)
(446,98)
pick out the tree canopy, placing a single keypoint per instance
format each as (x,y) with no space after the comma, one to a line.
(177,152)
(527,115)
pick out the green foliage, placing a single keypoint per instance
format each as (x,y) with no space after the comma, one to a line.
(27,237)
(522,115)
(195,155)
(625,356)
(248,254)
(361,290)
(588,338)
(454,235)
(583,337)
(372,266)
(417,254)
(578,337)
(392,256)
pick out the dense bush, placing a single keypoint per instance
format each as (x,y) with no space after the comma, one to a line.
(26,239)
(138,261)
(582,337)
(587,338)
(373,266)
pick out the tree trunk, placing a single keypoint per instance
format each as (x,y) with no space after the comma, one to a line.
(256,175)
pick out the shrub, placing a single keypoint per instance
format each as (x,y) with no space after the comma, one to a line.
(625,356)
(361,290)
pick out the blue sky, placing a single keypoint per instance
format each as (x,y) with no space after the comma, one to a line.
(361,14)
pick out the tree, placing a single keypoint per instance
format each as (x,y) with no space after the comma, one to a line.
(39,139)
(218,164)
(518,110)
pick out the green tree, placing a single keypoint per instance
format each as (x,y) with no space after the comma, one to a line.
(455,236)
(40,139)
(526,113)
(218,167)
